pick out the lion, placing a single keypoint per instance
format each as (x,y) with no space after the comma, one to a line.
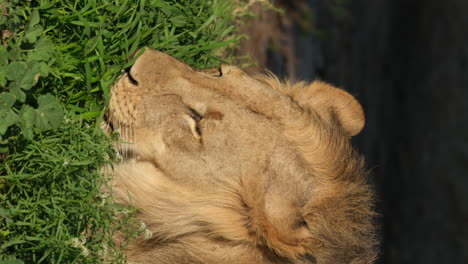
(224,167)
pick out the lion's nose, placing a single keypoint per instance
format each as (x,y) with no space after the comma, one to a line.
(131,61)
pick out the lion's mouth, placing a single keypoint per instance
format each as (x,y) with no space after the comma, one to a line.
(106,125)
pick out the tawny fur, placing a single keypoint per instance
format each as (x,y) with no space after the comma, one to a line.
(228,168)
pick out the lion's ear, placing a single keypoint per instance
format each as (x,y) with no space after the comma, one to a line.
(331,102)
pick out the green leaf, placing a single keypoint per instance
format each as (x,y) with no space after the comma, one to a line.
(7,116)
(35,18)
(34,32)
(91,44)
(14,52)
(90,115)
(43,69)
(11,261)
(179,21)
(36,69)
(4,213)
(3,63)
(43,50)
(49,113)
(6,100)
(26,123)
(14,241)
(16,71)
(20,95)
(3,55)
(20,75)
(3,75)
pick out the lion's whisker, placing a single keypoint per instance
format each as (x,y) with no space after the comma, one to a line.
(125,140)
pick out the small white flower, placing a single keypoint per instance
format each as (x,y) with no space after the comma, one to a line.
(103,197)
(142,226)
(75,242)
(125,212)
(104,250)
(84,251)
(118,156)
(79,243)
(148,234)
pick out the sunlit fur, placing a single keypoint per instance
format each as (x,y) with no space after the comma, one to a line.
(266,174)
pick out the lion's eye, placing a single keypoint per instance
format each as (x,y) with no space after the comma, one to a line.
(195,115)
(215,72)
(195,123)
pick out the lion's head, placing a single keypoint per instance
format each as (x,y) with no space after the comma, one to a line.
(224,167)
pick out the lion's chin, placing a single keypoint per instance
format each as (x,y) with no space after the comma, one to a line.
(124,149)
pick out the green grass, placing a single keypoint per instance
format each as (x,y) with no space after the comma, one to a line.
(58,60)
(52,196)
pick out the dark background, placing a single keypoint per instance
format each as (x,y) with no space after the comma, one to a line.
(406,62)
